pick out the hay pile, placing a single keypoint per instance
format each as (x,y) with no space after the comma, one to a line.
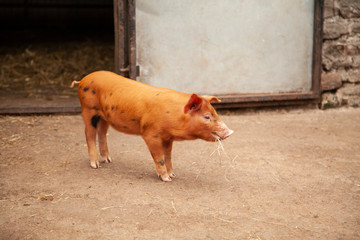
(51,66)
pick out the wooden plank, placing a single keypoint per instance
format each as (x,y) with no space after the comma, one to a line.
(39,109)
(317,48)
(264,99)
(120,29)
(132,39)
(264,104)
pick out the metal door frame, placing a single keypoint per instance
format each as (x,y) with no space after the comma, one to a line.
(125,61)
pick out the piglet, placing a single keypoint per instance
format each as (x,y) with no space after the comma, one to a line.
(161,116)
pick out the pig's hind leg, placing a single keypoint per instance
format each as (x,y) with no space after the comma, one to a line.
(102,129)
(91,121)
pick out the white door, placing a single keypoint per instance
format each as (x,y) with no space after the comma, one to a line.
(225,46)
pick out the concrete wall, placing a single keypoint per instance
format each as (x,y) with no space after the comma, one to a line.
(225,46)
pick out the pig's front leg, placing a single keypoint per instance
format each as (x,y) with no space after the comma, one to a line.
(155,146)
(167,151)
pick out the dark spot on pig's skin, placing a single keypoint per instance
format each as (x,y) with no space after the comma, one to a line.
(124,126)
(93,92)
(95,120)
(134,120)
(112,108)
(161,162)
(85,89)
(110,94)
(95,108)
(157,94)
(155,136)
(122,111)
(92,82)
(167,112)
(144,127)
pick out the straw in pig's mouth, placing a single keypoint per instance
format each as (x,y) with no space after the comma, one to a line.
(219,149)
(217,137)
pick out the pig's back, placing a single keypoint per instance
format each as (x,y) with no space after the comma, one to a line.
(105,81)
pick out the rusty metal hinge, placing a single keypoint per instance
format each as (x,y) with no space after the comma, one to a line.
(126,71)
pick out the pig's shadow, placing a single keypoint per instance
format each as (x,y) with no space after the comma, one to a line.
(144,172)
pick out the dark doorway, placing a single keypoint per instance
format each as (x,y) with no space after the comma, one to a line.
(44,46)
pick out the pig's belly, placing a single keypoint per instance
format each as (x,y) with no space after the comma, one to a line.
(129,126)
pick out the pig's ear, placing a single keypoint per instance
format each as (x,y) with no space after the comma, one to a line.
(211,98)
(193,104)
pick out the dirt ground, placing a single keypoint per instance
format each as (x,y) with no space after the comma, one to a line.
(287,175)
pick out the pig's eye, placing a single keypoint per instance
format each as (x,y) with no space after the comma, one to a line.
(207,117)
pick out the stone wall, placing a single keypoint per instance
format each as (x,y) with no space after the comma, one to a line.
(340,79)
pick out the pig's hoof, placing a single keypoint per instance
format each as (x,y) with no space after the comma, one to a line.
(106,159)
(165,179)
(172,175)
(94,164)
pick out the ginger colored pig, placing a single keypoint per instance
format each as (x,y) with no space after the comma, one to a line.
(159,115)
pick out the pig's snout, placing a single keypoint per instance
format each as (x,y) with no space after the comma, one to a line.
(227,134)
(224,133)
